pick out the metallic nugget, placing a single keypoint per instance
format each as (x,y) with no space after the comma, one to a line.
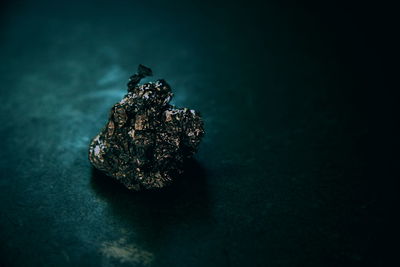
(146,140)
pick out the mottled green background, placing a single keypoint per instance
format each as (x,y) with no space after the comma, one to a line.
(294,170)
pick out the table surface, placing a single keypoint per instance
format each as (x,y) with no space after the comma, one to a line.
(285,176)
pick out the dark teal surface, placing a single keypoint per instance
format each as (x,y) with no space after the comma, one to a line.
(296,165)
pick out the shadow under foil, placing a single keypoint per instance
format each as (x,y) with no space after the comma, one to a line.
(185,202)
